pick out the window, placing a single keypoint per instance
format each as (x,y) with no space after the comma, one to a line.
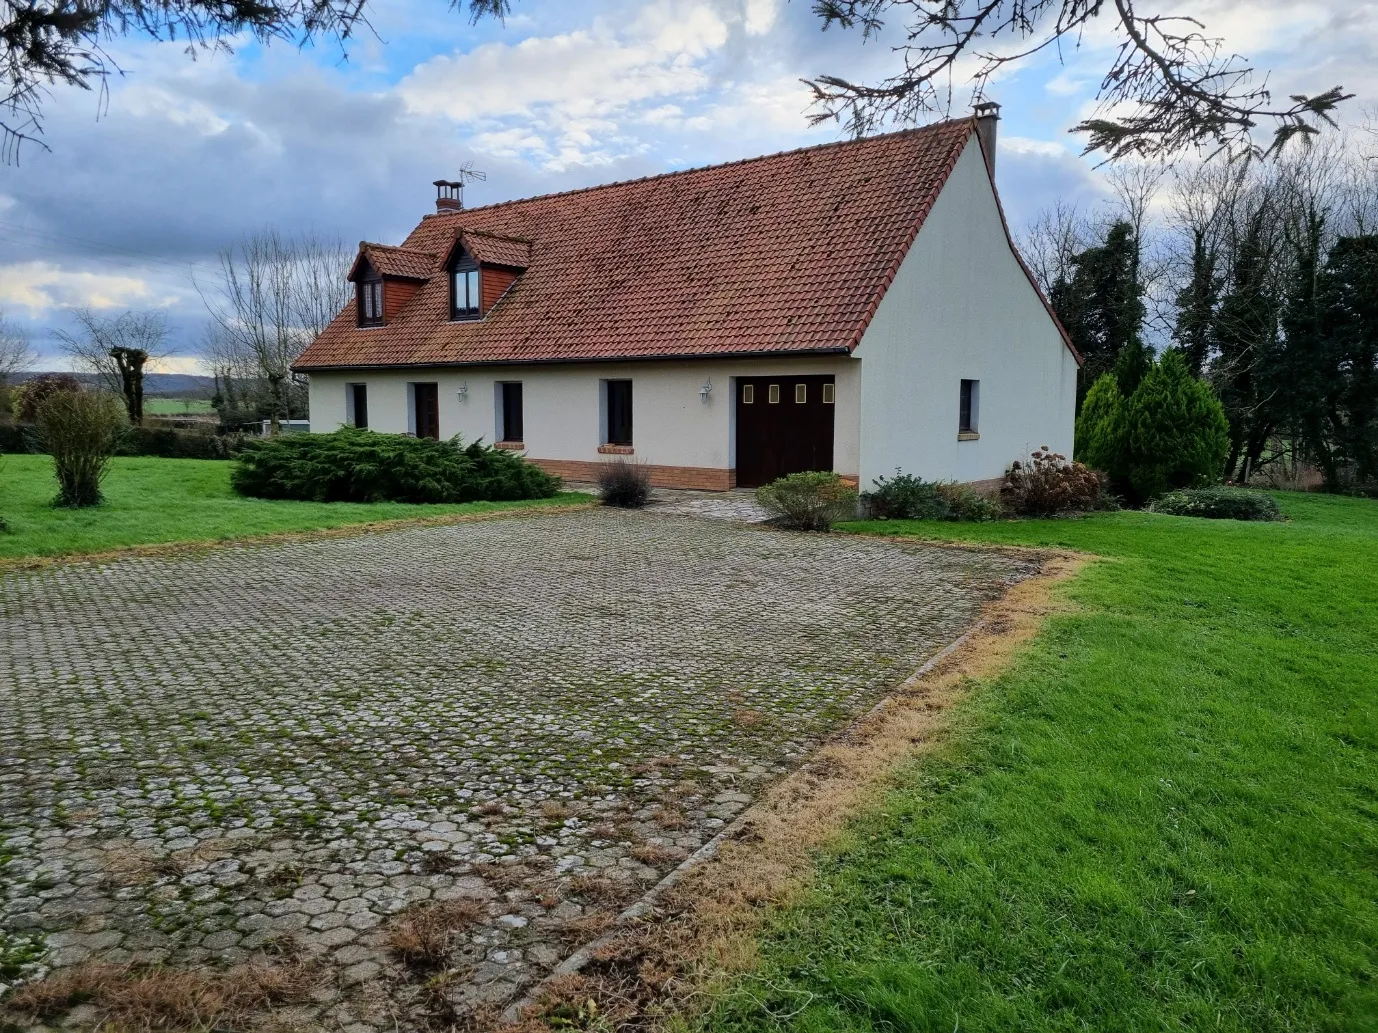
(748,394)
(773,394)
(829,393)
(969,409)
(511,417)
(370,297)
(619,412)
(356,405)
(801,394)
(465,301)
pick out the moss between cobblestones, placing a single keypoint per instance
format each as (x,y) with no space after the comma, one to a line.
(279,781)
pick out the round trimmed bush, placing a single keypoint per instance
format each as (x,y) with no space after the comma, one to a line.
(1218,504)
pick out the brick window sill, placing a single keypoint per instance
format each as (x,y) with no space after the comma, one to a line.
(616,450)
(511,446)
(968,435)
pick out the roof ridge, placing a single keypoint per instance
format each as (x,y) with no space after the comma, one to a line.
(395,247)
(915,131)
(495,236)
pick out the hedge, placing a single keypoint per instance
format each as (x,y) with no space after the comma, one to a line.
(351,465)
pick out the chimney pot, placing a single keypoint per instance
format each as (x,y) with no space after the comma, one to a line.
(987,115)
(449,196)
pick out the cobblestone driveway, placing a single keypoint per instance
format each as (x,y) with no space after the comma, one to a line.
(200,755)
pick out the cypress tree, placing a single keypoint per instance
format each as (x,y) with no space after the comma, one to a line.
(1102,307)
(1245,340)
(1349,307)
(1306,367)
(1196,306)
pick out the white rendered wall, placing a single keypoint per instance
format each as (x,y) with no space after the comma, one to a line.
(961,308)
(560,406)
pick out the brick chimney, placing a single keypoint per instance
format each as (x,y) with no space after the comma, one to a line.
(987,115)
(449,196)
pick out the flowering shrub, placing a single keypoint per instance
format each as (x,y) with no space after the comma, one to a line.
(1047,485)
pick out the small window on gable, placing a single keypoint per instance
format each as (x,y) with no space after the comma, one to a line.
(370,300)
(969,409)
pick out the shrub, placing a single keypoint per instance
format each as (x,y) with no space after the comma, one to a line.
(905,497)
(1218,504)
(352,465)
(808,501)
(966,503)
(624,484)
(33,393)
(80,429)
(1170,433)
(1048,485)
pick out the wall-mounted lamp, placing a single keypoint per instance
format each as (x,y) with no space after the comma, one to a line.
(705,391)
(463,392)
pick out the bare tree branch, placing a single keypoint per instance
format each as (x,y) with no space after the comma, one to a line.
(16,353)
(1169,88)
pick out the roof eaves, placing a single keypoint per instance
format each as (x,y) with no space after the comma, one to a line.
(583,360)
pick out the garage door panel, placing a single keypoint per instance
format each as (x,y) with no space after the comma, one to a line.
(784,426)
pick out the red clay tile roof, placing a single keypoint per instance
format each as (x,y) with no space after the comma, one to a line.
(491,249)
(399,262)
(788,253)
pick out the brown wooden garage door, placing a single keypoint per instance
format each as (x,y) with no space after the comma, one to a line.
(784,425)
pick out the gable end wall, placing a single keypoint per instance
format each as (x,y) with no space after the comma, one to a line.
(960,307)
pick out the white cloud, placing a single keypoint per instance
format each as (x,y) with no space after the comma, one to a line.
(40,286)
(572,91)
(760,16)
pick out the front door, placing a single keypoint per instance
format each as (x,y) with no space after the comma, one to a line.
(427,397)
(784,425)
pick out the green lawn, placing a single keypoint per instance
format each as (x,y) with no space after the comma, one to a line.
(175,500)
(1163,818)
(176,406)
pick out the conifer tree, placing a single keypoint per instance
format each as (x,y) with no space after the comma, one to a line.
(1196,306)
(1245,341)
(1101,305)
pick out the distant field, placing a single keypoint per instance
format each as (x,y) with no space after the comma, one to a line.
(176,406)
(150,501)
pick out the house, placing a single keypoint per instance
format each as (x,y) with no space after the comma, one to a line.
(857,307)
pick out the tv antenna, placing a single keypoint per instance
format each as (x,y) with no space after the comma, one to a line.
(449,193)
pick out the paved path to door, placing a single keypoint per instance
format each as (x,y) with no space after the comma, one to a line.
(201,755)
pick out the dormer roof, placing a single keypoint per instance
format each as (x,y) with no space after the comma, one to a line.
(496,249)
(397,263)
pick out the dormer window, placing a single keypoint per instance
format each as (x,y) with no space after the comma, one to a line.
(465,300)
(370,292)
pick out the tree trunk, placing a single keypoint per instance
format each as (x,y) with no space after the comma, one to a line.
(275,421)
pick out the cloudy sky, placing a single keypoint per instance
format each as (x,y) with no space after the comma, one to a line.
(129,206)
